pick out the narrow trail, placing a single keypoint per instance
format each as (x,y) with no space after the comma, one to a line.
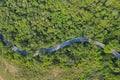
(55,48)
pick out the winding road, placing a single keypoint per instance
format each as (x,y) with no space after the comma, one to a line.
(55,48)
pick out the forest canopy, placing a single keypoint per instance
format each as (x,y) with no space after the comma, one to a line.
(35,24)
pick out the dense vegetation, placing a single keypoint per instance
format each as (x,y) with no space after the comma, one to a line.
(35,24)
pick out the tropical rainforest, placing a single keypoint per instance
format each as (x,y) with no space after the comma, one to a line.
(35,24)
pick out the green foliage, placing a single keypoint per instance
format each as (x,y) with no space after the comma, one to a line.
(108,49)
(113,44)
(35,24)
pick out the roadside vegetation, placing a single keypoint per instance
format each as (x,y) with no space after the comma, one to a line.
(35,24)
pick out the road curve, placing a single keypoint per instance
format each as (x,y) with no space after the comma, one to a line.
(55,48)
